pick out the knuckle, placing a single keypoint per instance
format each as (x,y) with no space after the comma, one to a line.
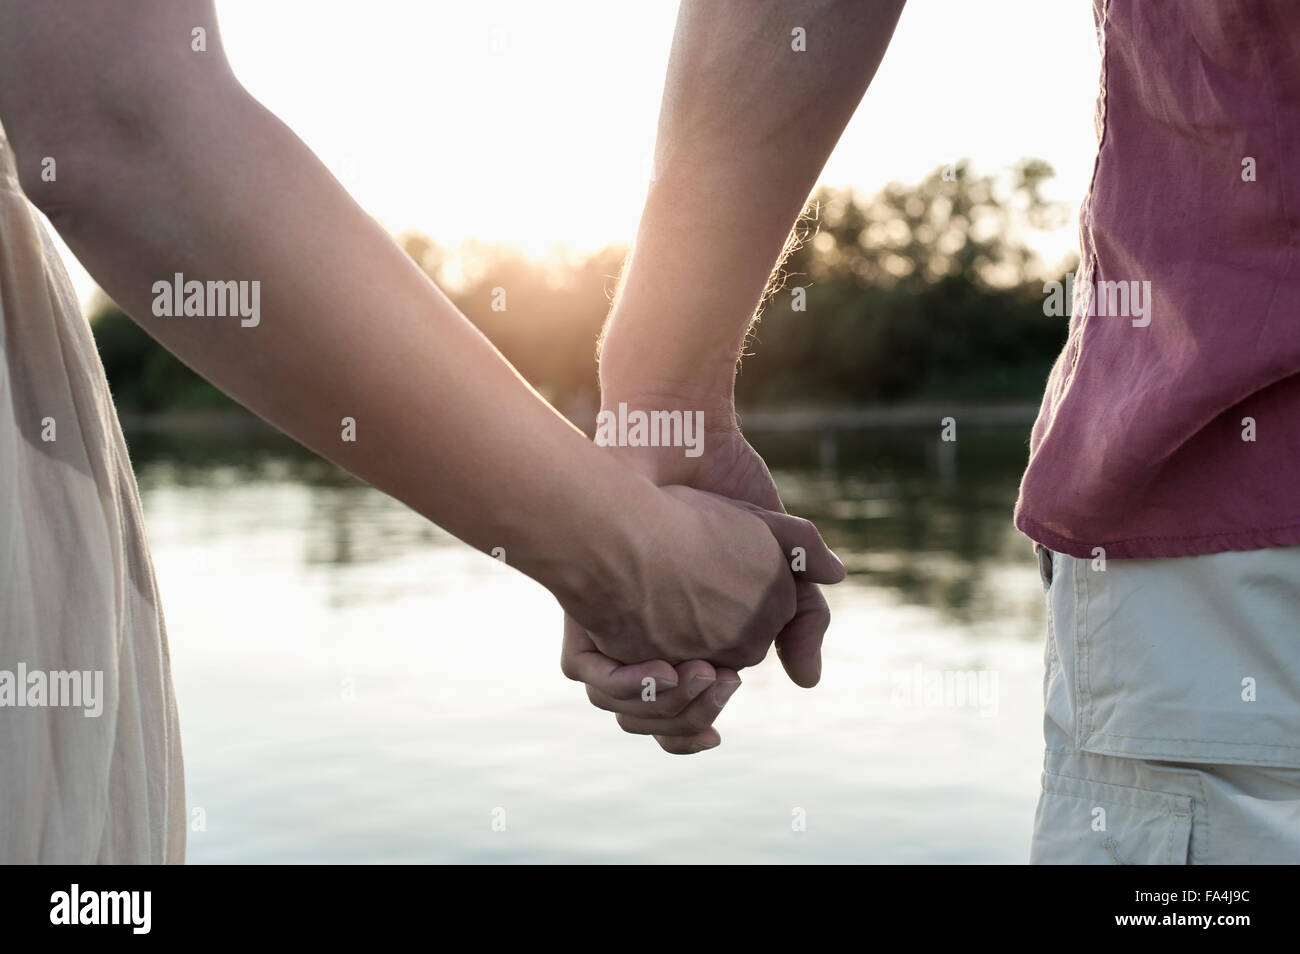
(697,721)
(628,724)
(569,667)
(597,699)
(677,706)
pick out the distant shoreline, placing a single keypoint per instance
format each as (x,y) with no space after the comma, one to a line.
(764,420)
(893,417)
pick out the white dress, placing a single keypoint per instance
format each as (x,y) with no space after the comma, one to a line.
(77,591)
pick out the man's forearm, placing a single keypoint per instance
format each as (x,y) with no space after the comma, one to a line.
(746,125)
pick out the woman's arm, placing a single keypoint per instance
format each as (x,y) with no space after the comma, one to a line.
(166,166)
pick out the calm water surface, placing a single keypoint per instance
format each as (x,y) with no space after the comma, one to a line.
(357,686)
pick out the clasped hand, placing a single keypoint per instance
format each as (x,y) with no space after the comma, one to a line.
(710,587)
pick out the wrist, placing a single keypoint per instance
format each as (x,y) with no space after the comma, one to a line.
(652,375)
(664,432)
(712,408)
(598,551)
(644,372)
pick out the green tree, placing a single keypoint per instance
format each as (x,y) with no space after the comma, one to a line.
(918,292)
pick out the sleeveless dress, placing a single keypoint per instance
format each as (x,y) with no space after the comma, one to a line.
(86,776)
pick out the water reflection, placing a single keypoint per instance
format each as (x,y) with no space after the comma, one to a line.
(927,519)
(355,685)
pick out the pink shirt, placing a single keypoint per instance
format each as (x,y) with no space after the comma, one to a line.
(1176,431)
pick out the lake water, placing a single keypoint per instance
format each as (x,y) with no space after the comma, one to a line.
(357,686)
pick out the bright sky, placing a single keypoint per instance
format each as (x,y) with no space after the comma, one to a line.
(533,123)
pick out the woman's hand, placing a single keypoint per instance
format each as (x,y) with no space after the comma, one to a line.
(675,704)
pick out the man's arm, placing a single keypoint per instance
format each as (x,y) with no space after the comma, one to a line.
(166,165)
(746,125)
(747,122)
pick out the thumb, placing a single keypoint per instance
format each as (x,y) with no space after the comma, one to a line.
(799,645)
(804,549)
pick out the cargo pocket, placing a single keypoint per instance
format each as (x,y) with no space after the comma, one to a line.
(1083,822)
(1190,659)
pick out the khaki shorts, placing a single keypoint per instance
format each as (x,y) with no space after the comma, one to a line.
(1172,710)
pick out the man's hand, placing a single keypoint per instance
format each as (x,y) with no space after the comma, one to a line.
(681,719)
(746,124)
(732,468)
(696,576)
